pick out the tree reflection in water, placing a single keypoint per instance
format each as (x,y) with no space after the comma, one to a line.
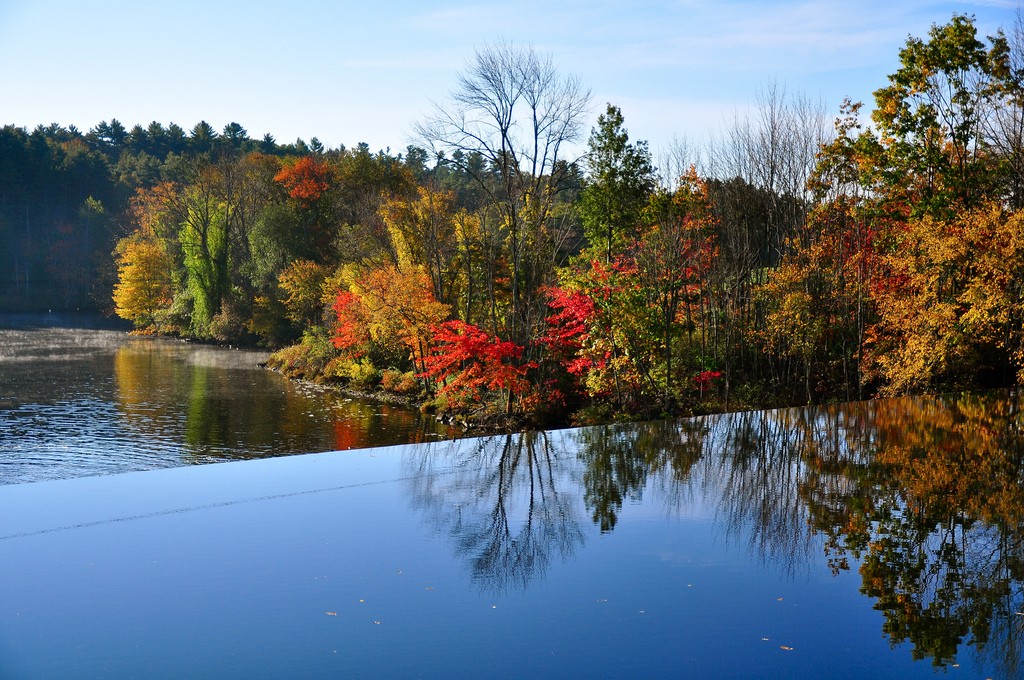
(928,494)
(507,501)
(620,461)
(754,463)
(202,404)
(923,496)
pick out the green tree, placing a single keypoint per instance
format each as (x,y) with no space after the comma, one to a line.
(204,241)
(930,153)
(202,137)
(620,179)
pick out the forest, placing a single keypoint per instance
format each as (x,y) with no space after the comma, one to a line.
(488,274)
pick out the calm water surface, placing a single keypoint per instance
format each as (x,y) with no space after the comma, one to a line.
(77,402)
(866,540)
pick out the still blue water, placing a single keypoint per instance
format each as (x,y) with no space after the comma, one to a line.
(878,540)
(415,561)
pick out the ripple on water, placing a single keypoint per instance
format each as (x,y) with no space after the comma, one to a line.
(92,402)
(45,441)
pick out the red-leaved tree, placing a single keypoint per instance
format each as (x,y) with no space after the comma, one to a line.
(467,362)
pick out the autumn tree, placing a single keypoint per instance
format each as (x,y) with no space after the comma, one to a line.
(144,279)
(425,232)
(877,281)
(817,304)
(637,330)
(386,315)
(599,331)
(469,364)
(756,175)
(302,284)
(306,182)
(148,259)
(674,259)
(950,309)
(401,306)
(364,182)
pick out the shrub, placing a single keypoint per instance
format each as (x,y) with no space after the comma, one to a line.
(398,382)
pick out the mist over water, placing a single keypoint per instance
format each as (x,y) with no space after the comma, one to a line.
(86,401)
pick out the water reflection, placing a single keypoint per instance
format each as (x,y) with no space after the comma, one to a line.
(224,408)
(935,517)
(920,500)
(77,402)
(924,498)
(507,502)
(620,460)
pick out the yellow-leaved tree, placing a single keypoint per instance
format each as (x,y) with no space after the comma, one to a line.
(951,308)
(144,278)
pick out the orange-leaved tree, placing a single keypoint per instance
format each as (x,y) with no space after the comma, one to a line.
(424,231)
(386,314)
(306,180)
(951,310)
(818,303)
(145,260)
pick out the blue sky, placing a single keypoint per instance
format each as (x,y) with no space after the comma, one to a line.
(348,72)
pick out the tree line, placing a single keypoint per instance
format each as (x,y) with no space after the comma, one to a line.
(65,194)
(487,272)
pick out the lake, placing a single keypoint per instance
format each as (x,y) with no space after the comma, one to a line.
(879,539)
(85,401)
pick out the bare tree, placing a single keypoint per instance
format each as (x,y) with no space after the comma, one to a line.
(1004,126)
(675,161)
(513,108)
(773,153)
